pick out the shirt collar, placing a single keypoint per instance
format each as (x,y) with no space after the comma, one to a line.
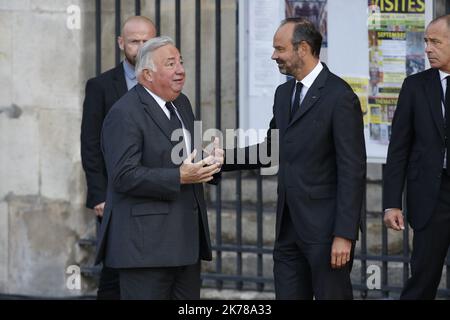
(309,79)
(158,99)
(443,75)
(129,70)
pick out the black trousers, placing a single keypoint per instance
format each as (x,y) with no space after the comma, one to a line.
(165,283)
(109,285)
(303,271)
(430,247)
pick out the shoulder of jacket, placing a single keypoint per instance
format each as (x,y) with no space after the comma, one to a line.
(286,85)
(421,76)
(105,76)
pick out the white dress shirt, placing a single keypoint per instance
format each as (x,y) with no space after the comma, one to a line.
(308,81)
(162,105)
(443,76)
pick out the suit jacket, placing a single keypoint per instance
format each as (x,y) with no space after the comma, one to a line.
(322,159)
(150,219)
(101,93)
(417,148)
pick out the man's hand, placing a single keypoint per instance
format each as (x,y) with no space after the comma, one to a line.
(393,218)
(213,149)
(340,252)
(98,209)
(198,172)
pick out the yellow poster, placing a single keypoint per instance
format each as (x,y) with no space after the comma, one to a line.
(360,86)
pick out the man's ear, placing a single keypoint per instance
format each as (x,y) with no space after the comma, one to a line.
(148,76)
(120,42)
(303,48)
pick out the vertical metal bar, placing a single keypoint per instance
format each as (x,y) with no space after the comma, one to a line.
(384,253)
(198,55)
(98,37)
(117,11)
(448,269)
(218,30)
(364,245)
(259,231)
(218,64)
(177,24)
(239,284)
(137,7)
(405,242)
(158,17)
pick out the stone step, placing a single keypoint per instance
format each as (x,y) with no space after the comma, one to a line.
(249,227)
(230,294)
(249,189)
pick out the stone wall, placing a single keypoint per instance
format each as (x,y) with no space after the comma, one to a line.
(42,71)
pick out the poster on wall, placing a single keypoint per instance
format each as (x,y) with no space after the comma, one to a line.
(262,70)
(360,86)
(391,29)
(396,50)
(313,10)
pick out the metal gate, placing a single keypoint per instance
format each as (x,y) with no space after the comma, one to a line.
(259,252)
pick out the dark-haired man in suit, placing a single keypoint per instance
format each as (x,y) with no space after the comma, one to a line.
(322,167)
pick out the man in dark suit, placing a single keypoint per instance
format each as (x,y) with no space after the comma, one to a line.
(322,166)
(155,226)
(101,93)
(419,153)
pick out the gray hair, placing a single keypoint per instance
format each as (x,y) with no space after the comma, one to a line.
(144,59)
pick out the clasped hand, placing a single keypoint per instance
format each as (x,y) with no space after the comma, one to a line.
(203,170)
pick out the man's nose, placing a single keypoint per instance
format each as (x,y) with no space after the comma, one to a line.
(180,68)
(274,55)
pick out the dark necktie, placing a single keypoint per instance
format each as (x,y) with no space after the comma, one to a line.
(296,104)
(447,123)
(175,122)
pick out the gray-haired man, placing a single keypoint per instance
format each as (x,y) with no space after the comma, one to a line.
(155,227)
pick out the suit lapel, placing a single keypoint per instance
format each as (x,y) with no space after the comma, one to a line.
(120,84)
(284,105)
(155,112)
(312,96)
(433,94)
